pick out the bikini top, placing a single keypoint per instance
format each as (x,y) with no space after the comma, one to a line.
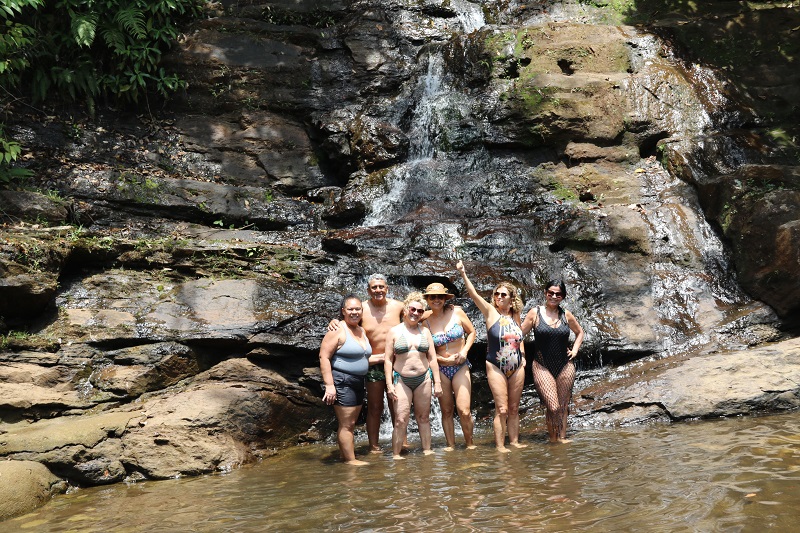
(454,333)
(401,344)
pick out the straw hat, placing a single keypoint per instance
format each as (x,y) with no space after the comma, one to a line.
(437,288)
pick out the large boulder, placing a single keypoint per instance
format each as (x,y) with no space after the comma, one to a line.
(76,447)
(230,415)
(24,486)
(731,383)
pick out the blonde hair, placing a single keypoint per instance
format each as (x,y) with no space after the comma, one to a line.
(516,301)
(415,296)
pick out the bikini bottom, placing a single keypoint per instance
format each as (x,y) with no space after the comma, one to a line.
(412,382)
(451,371)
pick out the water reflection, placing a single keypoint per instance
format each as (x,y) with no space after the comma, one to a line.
(728,475)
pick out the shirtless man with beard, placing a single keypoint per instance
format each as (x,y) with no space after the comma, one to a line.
(380,315)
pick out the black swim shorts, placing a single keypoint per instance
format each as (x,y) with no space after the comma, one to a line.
(349,389)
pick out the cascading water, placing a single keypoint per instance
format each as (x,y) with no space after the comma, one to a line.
(425,128)
(422,135)
(413,435)
(470,15)
(435,101)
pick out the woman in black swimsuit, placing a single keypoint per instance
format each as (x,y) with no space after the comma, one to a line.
(553,366)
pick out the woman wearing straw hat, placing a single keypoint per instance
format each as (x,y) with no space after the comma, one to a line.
(453,335)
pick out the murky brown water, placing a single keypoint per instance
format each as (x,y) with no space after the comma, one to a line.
(727,475)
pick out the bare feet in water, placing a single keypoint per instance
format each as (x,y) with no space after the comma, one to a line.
(356,462)
(518,445)
(428,452)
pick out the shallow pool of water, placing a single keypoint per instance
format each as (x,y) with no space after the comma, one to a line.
(726,475)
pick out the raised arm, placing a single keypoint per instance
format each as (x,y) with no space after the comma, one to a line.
(484,306)
(578,331)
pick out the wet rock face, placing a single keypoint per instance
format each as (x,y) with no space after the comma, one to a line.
(755,207)
(171,325)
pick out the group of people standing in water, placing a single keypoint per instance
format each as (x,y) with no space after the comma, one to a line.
(416,349)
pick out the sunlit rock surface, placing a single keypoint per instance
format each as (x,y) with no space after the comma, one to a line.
(25,486)
(729,383)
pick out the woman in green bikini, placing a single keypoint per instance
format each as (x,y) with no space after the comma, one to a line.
(411,367)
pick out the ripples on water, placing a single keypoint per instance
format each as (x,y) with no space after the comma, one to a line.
(727,475)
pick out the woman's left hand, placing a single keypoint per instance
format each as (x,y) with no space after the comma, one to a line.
(437,389)
(391,392)
(330,395)
(572,354)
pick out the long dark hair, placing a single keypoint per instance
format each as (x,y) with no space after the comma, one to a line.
(557,283)
(350,296)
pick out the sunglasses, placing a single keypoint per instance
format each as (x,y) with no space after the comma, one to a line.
(416,310)
(555,294)
(436,297)
(501,294)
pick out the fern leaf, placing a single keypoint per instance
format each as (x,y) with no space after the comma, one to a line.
(83,29)
(114,39)
(132,19)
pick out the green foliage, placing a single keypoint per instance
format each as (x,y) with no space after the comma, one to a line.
(623,7)
(13,337)
(562,191)
(84,50)
(87,49)
(15,38)
(9,152)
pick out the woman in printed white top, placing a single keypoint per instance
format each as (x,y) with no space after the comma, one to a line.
(505,357)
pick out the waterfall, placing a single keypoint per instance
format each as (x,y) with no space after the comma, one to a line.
(413,431)
(425,126)
(423,134)
(470,15)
